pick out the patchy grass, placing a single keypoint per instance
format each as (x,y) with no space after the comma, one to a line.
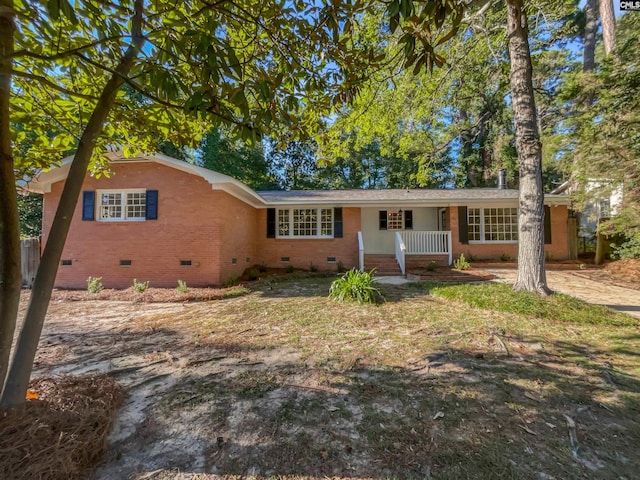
(285,383)
(501,297)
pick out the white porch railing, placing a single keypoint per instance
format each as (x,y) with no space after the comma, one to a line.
(401,251)
(426,243)
(361,251)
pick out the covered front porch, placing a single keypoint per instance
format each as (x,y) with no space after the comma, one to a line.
(394,238)
(412,249)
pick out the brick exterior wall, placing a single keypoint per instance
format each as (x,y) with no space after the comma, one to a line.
(194,223)
(218,233)
(558,249)
(304,252)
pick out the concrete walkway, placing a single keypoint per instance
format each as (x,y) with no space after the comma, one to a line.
(625,300)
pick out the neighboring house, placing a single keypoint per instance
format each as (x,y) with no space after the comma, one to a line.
(159,219)
(602,198)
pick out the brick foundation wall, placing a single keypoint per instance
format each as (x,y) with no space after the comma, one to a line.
(422,261)
(304,252)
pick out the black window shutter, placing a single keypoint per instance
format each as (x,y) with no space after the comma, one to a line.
(463,225)
(547,225)
(88,205)
(382,216)
(152,205)
(271,223)
(408,219)
(337,222)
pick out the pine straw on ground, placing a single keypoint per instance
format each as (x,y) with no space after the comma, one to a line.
(62,434)
(151,295)
(627,269)
(622,273)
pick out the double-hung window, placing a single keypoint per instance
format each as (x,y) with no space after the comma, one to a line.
(305,223)
(492,225)
(121,205)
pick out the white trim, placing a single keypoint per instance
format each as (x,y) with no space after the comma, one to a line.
(482,225)
(123,206)
(318,214)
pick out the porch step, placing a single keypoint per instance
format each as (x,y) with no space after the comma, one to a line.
(385,265)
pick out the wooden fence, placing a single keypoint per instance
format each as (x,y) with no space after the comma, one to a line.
(30,253)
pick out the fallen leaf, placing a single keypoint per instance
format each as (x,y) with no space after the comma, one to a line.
(324,454)
(528,430)
(31,395)
(438,415)
(532,397)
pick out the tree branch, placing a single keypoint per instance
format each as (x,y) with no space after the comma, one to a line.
(66,53)
(50,84)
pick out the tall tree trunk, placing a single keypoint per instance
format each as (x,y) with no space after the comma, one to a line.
(608,21)
(531,267)
(10,272)
(590,29)
(466,139)
(17,381)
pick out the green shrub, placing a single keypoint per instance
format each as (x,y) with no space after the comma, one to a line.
(505,257)
(355,285)
(140,287)
(290,269)
(182,287)
(261,268)
(340,267)
(253,274)
(627,249)
(232,281)
(472,257)
(313,268)
(461,263)
(432,265)
(94,284)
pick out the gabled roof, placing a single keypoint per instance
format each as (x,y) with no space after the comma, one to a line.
(261,199)
(42,183)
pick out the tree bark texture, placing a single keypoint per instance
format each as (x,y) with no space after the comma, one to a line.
(10,273)
(18,378)
(590,29)
(531,261)
(608,21)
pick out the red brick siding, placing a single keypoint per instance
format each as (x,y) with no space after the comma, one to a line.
(558,249)
(238,235)
(304,252)
(188,228)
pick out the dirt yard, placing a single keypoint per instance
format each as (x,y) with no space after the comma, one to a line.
(284,382)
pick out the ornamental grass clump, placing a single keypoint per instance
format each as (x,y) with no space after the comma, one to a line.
(356,286)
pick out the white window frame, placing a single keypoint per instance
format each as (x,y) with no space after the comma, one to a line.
(483,225)
(123,198)
(395,218)
(285,217)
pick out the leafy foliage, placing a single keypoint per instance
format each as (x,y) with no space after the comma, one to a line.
(453,126)
(140,287)
(356,286)
(630,248)
(461,263)
(94,284)
(182,287)
(602,140)
(220,152)
(30,212)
